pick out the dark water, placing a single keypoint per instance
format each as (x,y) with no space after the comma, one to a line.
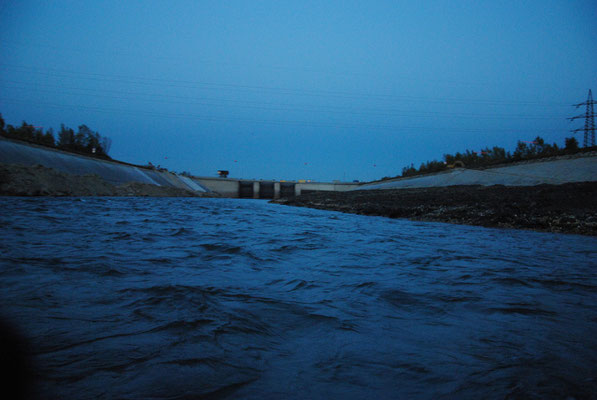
(184,298)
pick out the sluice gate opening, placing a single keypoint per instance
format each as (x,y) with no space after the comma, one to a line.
(245,190)
(266,190)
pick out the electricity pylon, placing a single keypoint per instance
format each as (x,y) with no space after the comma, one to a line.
(589,117)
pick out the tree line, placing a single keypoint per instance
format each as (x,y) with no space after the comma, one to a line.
(496,155)
(83,141)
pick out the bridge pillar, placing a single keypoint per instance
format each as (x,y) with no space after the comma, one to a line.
(276,190)
(256,190)
(297,189)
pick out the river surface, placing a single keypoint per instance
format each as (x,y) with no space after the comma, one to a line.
(144,298)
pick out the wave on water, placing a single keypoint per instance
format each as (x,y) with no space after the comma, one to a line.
(220,298)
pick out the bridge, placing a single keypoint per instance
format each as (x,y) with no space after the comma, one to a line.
(265,189)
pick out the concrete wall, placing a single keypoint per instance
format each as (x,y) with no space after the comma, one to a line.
(13,152)
(224,186)
(325,187)
(580,168)
(230,187)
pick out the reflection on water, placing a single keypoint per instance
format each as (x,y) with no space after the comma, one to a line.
(178,298)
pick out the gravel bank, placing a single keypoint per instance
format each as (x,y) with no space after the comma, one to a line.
(567,208)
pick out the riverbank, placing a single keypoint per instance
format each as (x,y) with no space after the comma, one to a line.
(567,208)
(37,180)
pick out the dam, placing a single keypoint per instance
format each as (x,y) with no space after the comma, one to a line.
(265,189)
(580,167)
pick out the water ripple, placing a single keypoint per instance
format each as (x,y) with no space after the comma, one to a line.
(219,298)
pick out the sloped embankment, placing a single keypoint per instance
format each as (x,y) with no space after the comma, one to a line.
(113,172)
(580,167)
(37,180)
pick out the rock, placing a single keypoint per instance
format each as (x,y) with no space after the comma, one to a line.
(570,207)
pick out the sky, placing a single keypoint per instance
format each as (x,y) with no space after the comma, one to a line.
(321,90)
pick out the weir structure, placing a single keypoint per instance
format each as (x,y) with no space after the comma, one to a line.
(266,189)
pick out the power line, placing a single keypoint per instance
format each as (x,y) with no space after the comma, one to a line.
(263,106)
(170,58)
(279,90)
(261,121)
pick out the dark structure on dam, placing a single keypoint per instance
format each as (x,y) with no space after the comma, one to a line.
(266,189)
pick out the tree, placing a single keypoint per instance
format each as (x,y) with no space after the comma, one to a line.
(449,159)
(66,138)
(25,132)
(92,142)
(48,138)
(84,140)
(485,157)
(521,151)
(571,145)
(81,138)
(87,139)
(38,136)
(537,147)
(409,171)
(498,154)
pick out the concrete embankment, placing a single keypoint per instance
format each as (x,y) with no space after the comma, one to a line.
(37,180)
(114,173)
(560,170)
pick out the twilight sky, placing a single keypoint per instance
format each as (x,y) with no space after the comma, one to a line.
(317,90)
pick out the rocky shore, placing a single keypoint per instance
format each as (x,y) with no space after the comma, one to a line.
(568,208)
(37,180)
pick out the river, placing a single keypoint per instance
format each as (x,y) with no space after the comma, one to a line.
(175,298)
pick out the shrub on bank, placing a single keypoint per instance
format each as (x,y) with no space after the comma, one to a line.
(497,155)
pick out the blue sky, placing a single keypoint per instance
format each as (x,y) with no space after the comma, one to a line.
(298,89)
